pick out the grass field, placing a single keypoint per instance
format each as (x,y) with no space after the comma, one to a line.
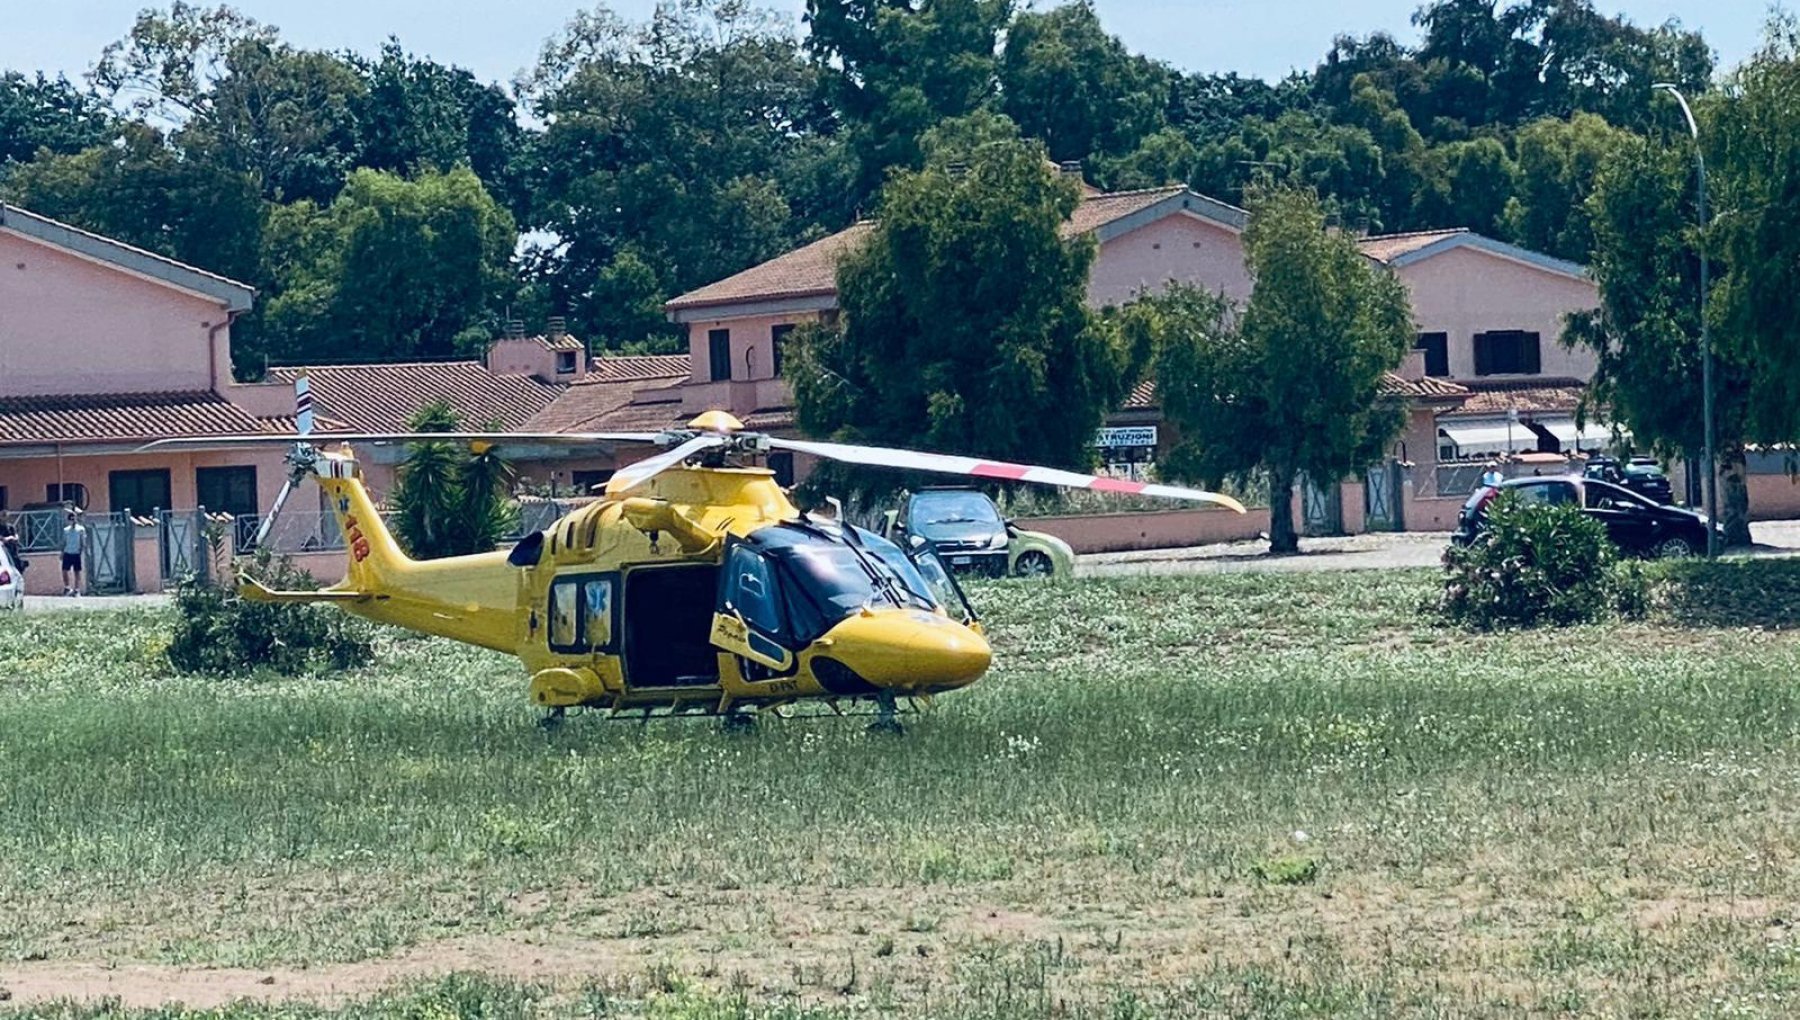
(1242,795)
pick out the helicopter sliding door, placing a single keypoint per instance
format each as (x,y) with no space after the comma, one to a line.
(668,618)
(751,621)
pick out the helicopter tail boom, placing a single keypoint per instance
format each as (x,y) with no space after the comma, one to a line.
(466,598)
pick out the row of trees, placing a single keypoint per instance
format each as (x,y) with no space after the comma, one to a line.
(968,281)
(376,200)
(1648,240)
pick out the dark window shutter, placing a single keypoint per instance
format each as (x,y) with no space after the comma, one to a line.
(1530,355)
(718,343)
(778,337)
(1437,353)
(1483,354)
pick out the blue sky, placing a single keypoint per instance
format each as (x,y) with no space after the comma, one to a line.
(1266,38)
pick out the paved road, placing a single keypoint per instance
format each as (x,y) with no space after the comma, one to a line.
(1355,552)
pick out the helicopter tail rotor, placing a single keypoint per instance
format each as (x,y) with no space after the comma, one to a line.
(300,460)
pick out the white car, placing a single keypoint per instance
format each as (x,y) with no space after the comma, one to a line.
(12,582)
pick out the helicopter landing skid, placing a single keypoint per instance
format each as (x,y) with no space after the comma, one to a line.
(885,718)
(886,713)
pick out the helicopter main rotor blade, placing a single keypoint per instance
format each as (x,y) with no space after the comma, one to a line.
(632,475)
(913,460)
(287,439)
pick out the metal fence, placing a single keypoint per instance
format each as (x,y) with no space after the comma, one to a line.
(536,515)
(1459,479)
(106,554)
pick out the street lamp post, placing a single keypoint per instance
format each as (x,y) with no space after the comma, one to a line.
(1710,465)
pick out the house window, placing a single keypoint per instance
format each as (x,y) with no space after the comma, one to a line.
(229,490)
(1437,353)
(2,497)
(565,362)
(782,463)
(778,336)
(1507,352)
(67,492)
(589,482)
(141,491)
(718,352)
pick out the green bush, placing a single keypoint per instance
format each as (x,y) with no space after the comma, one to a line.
(1539,564)
(219,633)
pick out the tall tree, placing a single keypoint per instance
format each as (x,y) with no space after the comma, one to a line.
(1471,186)
(1293,388)
(392,269)
(416,114)
(1558,162)
(900,66)
(47,114)
(142,191)
(968,281)
(1755,158)
(1646,333)
(667,156)
(1065,81)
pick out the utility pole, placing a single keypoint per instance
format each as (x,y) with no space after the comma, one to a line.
(1706,355)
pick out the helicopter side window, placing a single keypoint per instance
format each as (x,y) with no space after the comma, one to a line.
(597,612)
(582,613)
(564,615)
(751,590)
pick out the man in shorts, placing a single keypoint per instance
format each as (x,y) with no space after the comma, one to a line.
(74,537)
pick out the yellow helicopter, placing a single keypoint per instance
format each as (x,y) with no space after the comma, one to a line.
(694,586)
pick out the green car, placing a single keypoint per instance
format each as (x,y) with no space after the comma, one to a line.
(966,530)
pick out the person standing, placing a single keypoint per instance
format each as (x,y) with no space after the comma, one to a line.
(74,538)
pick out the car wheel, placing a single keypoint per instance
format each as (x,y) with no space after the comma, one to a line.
(1674,548)
(1034,564)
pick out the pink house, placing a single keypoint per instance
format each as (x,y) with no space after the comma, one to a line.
(1487,360)
(105,347)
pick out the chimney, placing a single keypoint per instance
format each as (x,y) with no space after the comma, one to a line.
(1070,167)
(554,327)
(515,329)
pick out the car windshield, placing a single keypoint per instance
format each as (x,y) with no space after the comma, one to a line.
(939,509)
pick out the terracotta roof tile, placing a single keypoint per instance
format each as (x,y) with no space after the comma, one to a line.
(1143,396)
(811,270)
(1427,389)
(1527,396)
(1387,247)
(117,417)
(647,411)
(770,418)
(806,271)
(383,398)
(562,342)
(626,367)
(592,405)
(1100,210)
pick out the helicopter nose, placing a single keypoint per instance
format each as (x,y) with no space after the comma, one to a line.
(908,649)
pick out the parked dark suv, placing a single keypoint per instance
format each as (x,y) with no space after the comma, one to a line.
(1641,476)
(1635,524)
